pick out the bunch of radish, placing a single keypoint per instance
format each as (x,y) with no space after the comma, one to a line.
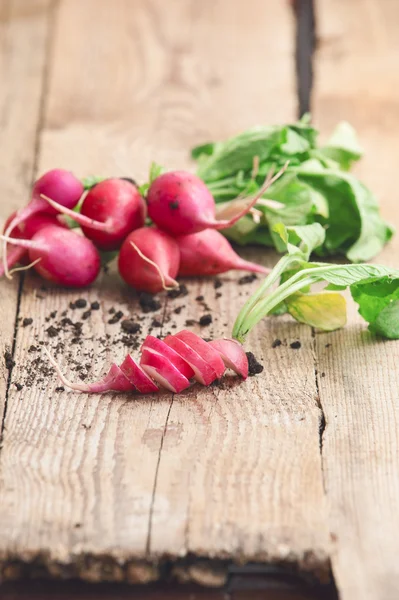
(183,239)
(170,364)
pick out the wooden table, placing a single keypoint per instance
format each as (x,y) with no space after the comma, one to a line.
(297,468)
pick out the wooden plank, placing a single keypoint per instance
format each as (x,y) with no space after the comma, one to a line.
(104,487)
(357,80)
(21,73)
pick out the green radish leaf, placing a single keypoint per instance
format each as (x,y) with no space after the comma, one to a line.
(91,181)
(301,240)
(238,152)
(323,310)
(343,146)
(378,300)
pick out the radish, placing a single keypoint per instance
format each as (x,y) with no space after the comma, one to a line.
(62,256)
(137,376)
(149,260)
(110,211)
(232,355)
(209,253)
(205,351)
(203,372)
(60,185)
(156,345)
(180,203)
(26,229)
(159,365)
(163,371)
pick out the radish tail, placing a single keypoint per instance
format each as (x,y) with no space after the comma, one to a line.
(165,279)
(13,257)
(81,387)
(34,206)
(246,265)
(82,220)
(114,380)
(224,224)
(25,267)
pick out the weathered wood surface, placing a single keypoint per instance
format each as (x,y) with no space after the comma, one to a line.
(21,86)
(98,486)
(357,79)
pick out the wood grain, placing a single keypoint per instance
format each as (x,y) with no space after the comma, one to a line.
(21,76)
(105,487)
(358,80)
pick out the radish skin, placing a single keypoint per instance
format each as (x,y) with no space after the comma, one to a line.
(110,211)
(26,229)
(232,354)
(208,252)
(137,376)
(180,203)
(149,260)
(66,258)
(205,351)
(60,185)
(163,371)
(158,346)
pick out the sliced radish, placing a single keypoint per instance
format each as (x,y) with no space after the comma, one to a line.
(157,345)
(206,352)
(163,371)
(137,377)
(202,371)
(233,355)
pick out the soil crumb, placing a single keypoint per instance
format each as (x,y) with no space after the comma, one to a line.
(254,366)
(149,303)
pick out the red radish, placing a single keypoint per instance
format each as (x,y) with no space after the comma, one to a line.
(137,376)
(209,253)
(26,230)
(110,211)
(156,345)
(203,372)
(232,354)
(58,184)
(206,352)
(65,257)
(158,365)
(149,260)
(163,371)
(180,203)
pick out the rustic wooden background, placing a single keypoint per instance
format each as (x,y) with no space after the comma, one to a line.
(290,469)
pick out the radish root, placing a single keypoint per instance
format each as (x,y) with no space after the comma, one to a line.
(161,275)
(79,218)
(24,268)
(61,376)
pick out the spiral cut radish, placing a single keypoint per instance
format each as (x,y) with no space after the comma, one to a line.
(170,363)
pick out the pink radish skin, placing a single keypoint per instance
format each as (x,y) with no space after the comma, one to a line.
(26,230)
(180,203)
(205,351)
(66,258)
(160,249)
(60,185)
(209,253)
(158,346)
(203,372)
(110,211)
(137,376)
(233,355)
(163,371)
